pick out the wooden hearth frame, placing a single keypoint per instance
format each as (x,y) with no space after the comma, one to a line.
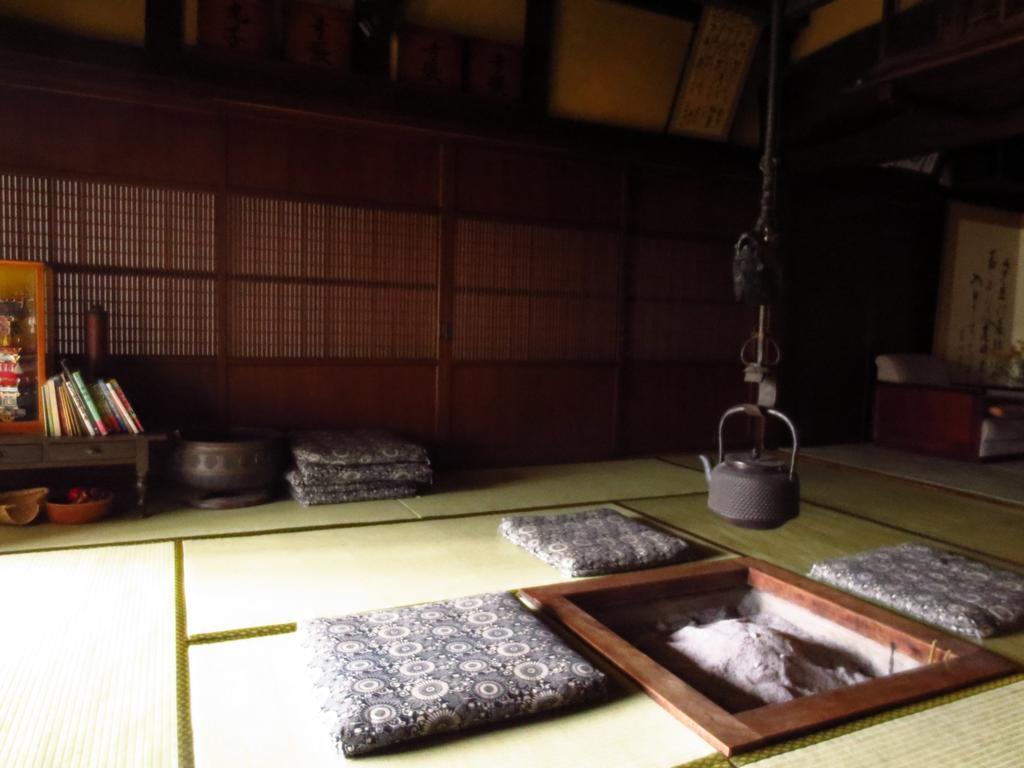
(946,662)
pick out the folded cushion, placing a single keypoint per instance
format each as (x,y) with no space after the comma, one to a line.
(355,447)
(336,474)
(949,591)
(313,495)
(593,542)
(390,676)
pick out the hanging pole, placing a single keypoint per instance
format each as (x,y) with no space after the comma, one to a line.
(755,271)
(766,225)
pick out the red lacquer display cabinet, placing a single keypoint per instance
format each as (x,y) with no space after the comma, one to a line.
(23,312)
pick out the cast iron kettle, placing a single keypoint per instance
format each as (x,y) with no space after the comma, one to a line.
(753,490)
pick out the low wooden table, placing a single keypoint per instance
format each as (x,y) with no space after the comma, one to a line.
(41,452)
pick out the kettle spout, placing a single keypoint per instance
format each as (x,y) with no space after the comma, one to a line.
(707,466)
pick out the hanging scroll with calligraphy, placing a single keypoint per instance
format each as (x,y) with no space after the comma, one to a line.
(715,74)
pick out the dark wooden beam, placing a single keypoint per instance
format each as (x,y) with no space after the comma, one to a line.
(794,8)
(680,9)
(537,43)
(690,9)
(164,27)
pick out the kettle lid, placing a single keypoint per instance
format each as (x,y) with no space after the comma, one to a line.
(752,462)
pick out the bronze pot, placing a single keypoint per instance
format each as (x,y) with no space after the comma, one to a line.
(229,462)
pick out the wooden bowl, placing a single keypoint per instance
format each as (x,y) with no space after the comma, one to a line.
(63,513)
(21,507)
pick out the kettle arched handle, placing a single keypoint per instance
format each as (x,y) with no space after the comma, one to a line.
(755,411)
(750,409)
(796,442)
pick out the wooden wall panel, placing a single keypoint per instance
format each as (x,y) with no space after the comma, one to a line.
(75,134)
(681,304)
(697,202)
(676,406)
(258,154)
(323,395)
(314,158)
(170,392)
(528,292)
(150,315)
(537,186)
(367,165)
(144,253)
(303,288)
(528,414)
(310,280)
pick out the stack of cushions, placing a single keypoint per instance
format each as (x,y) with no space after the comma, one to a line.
(593,542)
(386,677)
(334,467)
(949,591)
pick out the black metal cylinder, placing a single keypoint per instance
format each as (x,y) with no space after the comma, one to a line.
(97,340)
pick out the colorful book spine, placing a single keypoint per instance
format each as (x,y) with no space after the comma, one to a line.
(102,391)
(96,393)
(119,407)
(53,408)
(119,393)
(67,409)
(47,412)
(79,404)
(75,426)
(91,410)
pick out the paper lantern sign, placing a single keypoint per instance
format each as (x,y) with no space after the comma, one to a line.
(715,74)
(236,25)
(429,57)
(495,70)
(318,35)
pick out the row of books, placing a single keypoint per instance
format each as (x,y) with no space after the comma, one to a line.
(73,408)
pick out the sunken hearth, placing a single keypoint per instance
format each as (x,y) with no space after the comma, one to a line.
(746,653)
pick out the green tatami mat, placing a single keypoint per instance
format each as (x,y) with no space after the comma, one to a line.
(971,523)
(87,675)
(493,490)
(183,522)
(252,581)
(1001,480)
(982,730)
(985,526)
(815,535)
(253,706)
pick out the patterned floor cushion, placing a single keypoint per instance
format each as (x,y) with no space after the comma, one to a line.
(355,447)
(947,590)
(593,542)
(336,474)
(390,676)
(314,495)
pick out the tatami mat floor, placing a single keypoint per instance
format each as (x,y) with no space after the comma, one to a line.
(119,652)
(1001,479)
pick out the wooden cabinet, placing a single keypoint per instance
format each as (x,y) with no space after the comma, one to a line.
(21,452)
(23,306)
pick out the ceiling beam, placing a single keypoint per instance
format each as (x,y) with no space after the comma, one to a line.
(163,27)
(795,8)
(538,39)
(690,9)
(679,9)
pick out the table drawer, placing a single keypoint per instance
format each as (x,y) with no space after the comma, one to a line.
(92,451)
(20,454)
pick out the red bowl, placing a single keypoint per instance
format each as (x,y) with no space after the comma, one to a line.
(75,514)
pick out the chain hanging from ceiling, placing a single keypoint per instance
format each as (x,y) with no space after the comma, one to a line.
(755,268)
